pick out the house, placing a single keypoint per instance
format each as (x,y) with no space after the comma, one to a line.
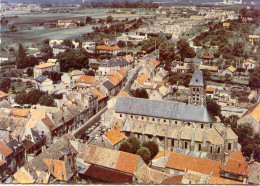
(59,48)
(194,61)
(65,23)
(186,129)
(253,38)
(18,152)
(101,99)
(226,25)
(230,71)
(51,65)
(3,96)
(235,168)
(177,164)
(252,116)
(113,65)
(55,165)
(104,165)
(207,57)
(71,77)
(112,139)
(107,88)
(89,46)
(107,49)
(55,42)
(44,84)
(84,81)
(131,38)
(33,143)
(7,156)
(210,92)
(249,64)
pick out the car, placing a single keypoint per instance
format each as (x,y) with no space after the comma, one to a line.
(88,131)
(96,136)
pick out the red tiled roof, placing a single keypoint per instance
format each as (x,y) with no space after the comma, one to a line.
(154,62)
(2,94)
(210,90)
(173,180)
(86,79)
(115,136)
(110,48)
(127,162)
(100,96)
(222,181)
(65,21)
(182,162)
(236,164)
(122,72)
(254,111)
(20,112)
(4,149)
(81,86)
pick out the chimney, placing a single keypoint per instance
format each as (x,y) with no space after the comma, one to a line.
(51,168)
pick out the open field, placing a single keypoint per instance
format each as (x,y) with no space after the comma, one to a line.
(29,30)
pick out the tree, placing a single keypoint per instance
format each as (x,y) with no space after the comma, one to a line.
(68,43)
(145,154)
(110,19)
(20,56)
(213,107)
(48,52)
(254,81)
(121,43)
(153,148)
(90,73)
(21,98)
(34,96)
(185,50)
(30,61)
(125,147)
(139,93)
(134,143)
(88,19)
(73,59)
(29,71)
(245,138)
(46,41)
(5,84)
(46,100)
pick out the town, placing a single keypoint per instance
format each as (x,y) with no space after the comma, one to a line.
(130,92)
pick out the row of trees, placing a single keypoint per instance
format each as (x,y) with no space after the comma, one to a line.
(147,150)
(34,97)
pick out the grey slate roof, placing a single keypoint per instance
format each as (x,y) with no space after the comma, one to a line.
(197,79)
(194,60)
(163,109)
(114,62)
(108,85)
(60,46)
(14,144)
(40,78)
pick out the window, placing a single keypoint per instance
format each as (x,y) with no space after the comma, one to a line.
(150,136)
(194,89)
(188,124)
(198,89)
(164,121)
(131,116)
(160,138)
(202,126)
(229,146)
(218,149)
(172,143)
(197,99)
(142,117)
(153,119)
(211,126)
(175,122)
(186,145)
(120,115)
(199,147)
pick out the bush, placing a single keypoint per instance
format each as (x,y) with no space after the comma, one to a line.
(135,144)
(145,154)
(153,148)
